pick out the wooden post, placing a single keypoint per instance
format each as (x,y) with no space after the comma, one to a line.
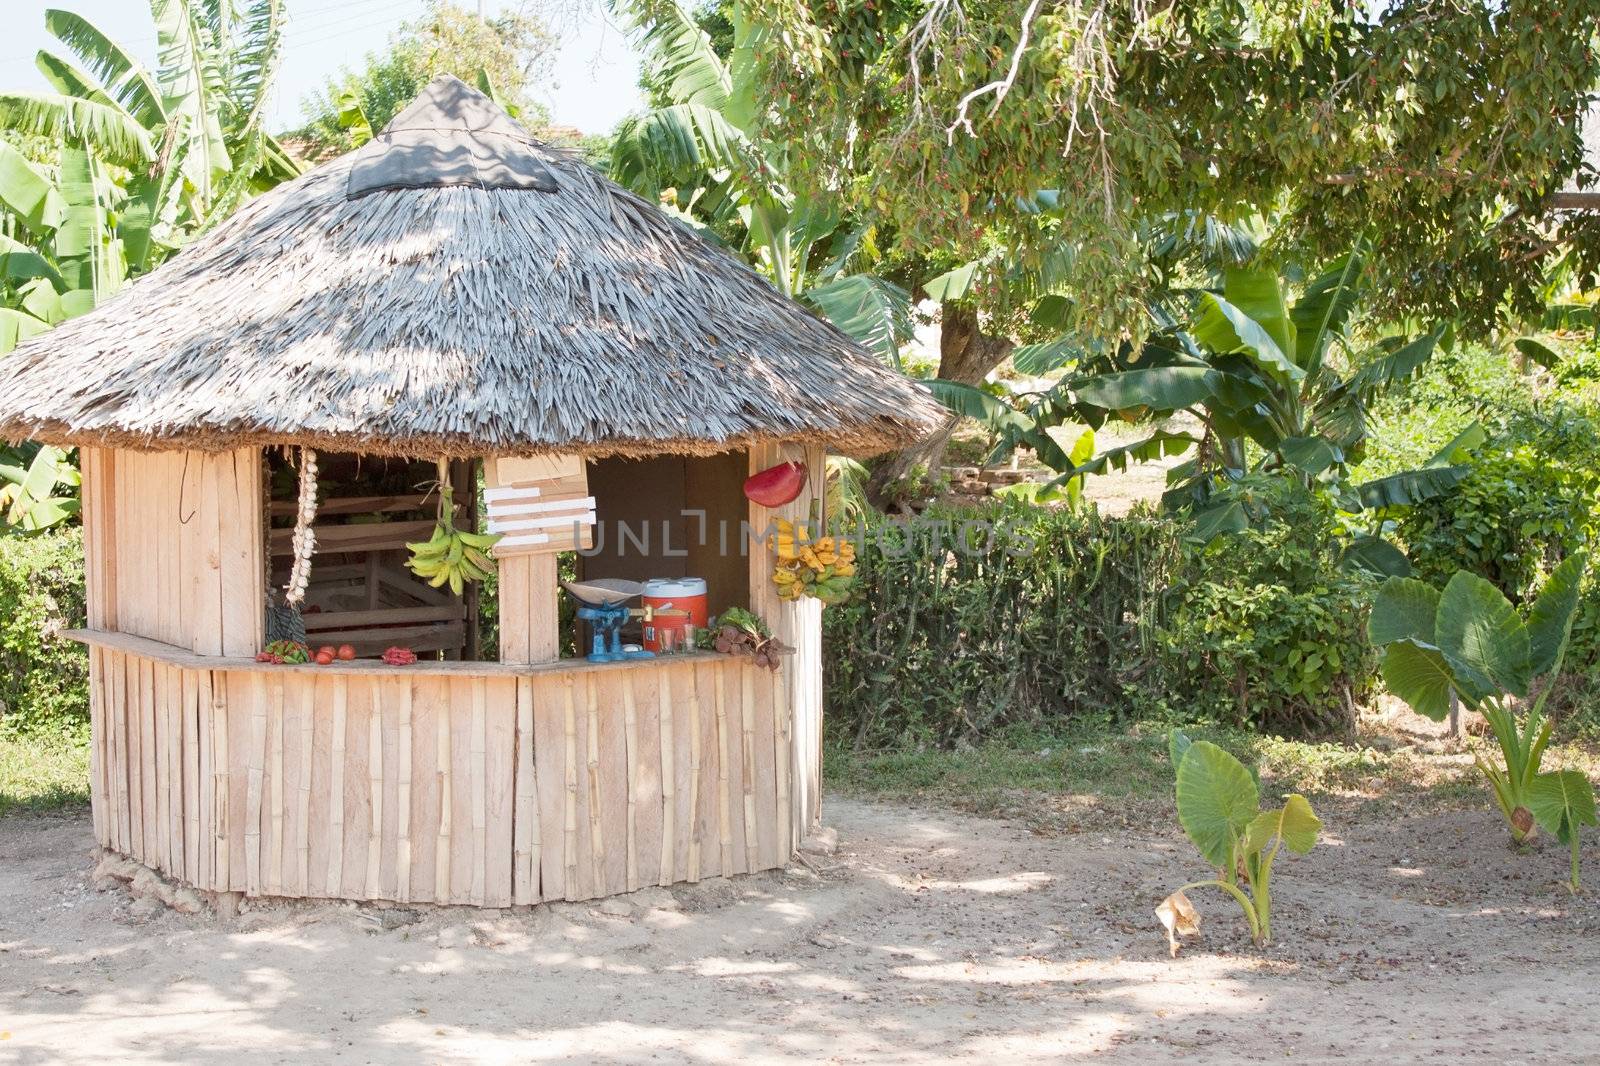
(798,624)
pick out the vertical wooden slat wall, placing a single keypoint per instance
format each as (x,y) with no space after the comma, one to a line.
(175,547)
(488,791)
(797,710)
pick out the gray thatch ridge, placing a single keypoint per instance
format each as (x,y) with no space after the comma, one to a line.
(456,320)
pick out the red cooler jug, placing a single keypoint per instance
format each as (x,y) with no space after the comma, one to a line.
(678,594)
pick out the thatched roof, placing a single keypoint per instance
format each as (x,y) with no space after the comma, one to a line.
(379,304)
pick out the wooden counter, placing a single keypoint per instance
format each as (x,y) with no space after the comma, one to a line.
(487,784)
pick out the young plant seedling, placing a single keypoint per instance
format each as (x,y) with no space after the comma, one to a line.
(1471,641)
(1219,806)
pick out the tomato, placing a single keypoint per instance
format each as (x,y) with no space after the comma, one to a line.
(325,657)
(327,649)
(346,652)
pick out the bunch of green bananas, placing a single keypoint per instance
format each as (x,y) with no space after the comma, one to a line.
(453,557)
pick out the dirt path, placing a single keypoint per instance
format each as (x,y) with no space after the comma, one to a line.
(928,937)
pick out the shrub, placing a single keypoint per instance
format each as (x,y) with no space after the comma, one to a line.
(1073,614)
(1528,502)
(1050,619)
(1265,630)
(44,685)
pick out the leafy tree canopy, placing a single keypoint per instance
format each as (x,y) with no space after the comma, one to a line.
(514,50)
(1060,130)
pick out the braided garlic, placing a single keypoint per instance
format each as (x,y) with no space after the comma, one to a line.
(305,538)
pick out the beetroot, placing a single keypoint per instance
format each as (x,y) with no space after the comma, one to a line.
(776,485)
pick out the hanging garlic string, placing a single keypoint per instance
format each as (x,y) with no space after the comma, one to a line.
(305,538)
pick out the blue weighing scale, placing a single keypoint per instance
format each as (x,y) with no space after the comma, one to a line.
(603,603)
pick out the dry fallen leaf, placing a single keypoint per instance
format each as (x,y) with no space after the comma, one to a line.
(1180,918)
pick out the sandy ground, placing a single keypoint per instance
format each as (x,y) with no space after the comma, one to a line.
(928,937)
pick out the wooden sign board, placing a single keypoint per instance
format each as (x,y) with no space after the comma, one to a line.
(539,504)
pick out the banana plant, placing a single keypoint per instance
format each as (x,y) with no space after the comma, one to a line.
(191,134)
(1250,368)
(1219,807)
(36,482)
(701,151)
(1470,643)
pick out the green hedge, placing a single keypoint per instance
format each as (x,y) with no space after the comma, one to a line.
(1070,614)
(44,683)
(1050,618)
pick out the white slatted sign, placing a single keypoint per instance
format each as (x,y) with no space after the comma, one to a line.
(540,505)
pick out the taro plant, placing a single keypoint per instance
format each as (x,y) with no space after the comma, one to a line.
(1469,642)
(1562,803)
(1219,806)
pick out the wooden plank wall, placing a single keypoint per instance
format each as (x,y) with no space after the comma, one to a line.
(174,547)
(798,624)
(489,791)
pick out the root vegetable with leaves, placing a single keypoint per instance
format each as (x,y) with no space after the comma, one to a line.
(1470,642)
(741,632)
(1219,807)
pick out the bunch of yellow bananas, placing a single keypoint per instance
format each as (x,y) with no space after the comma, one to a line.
(453,557)
(824,568)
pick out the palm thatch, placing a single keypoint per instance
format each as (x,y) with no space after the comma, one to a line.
(384,303)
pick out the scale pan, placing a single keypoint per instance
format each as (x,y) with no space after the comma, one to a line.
(603,591)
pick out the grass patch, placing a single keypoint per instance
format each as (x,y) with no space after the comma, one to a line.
(43,772)
(1055,781)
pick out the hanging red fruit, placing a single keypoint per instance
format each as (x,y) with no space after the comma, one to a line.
(776,485)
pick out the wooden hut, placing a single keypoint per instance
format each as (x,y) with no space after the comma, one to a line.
(453,289)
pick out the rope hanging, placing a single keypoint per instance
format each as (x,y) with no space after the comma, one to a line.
(305,538)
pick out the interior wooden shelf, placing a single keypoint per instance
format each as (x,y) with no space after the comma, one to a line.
(182,657)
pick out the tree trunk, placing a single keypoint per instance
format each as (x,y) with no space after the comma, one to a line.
(966,355)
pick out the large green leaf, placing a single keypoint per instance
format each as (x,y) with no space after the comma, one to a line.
(1409,486)
(1294,823)
(1420,676)
(953,284)
(1225,328)
(106,127)
(1258,293)
(20,263)
(1394,366)
(1553,611)
(1461,446)
(1035,359)
(1562,801)
(1165,388)
(1159,445)
(1537,352)
(1217,800)
(873,311)
(1227,516)
(124,77)
(1323,309)
(1404,609)
(1311,455)
(974,403)
(1376,556)
(28,192)
(1178,745)
(680,61)
(191,89)
(682,141)
(18,326)
(1482,638)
